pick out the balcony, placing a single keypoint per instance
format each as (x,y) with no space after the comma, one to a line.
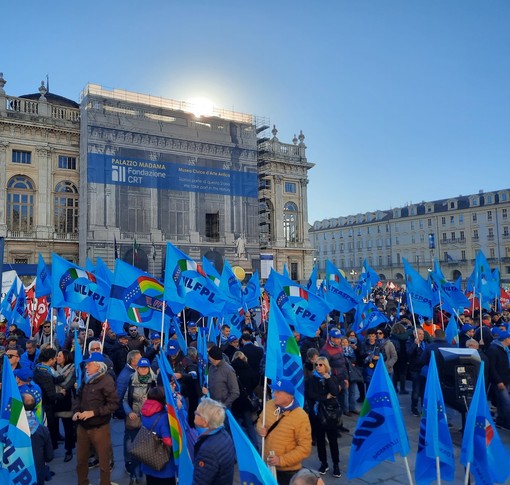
(21,234)
(66,236)
(41,108)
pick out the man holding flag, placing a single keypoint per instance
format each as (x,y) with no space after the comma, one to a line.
(286,428)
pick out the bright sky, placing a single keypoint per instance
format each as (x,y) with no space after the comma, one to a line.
(399,100)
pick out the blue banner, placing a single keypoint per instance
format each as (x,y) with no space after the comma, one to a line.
(205,176)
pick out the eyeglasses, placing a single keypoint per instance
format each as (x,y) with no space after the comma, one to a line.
(46,326)
(10,356)
(380,333)
(319,364)
(133,331)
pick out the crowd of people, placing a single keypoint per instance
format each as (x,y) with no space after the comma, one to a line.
(119,378)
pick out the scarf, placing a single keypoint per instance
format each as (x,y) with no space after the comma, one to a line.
(349,352)
(279,409)
(46,368)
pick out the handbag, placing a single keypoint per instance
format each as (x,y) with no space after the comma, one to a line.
(254,401)
(133,423)
(148,448)
(355,373)
(329,413)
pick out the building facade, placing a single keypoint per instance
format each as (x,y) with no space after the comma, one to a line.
(39,177)
(451,230)
(283,199)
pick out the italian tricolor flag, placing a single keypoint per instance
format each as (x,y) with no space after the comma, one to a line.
(296,291)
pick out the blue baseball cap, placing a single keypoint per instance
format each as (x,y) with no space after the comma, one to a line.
(466,328)
(503,335)
(192,324)
(122,335)
(95,357)
(172,348)
(143,362)
(335,333)
(155,336)
(283,386)
(25,374)
(232,338)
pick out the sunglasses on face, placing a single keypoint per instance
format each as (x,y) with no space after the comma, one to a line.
(380,333)
(319,365)
(10,356)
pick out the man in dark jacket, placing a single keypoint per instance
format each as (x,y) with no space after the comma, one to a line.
(254,353)
(499,372)
(40,438)
(223,386)
(95,402)
(414,349)
(120,351)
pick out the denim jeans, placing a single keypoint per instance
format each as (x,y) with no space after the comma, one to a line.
(416,389)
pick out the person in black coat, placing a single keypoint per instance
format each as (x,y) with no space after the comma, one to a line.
(253,353)
(40,438)
(242,407)
(415,347)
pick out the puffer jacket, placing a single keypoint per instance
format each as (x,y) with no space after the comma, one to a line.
(214,458)
(336,358)
(291,440)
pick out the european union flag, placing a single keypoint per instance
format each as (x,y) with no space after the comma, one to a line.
(283,358)
(9,301)
(20,313)
(380,431)
(17,463)
(482,448)
(252,468)
(78,289)
(435,440)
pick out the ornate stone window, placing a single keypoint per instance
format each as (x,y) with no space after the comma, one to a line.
(290,222)
(20,204)
(66,208)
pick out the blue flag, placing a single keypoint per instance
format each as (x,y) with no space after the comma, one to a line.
(367,280)
(136,297)
(481,444)
(339,292)
(17,460)
(252,468)
(251,293)
(380,430)
(311,286)
(43,281)
(482,280)
(203,357)
(452,332)
(20,313)
(78,289)
(211,272)
(187,284)
(303,309)
(230,286)
(368,316)
(418,292)
(435,440)
(61,328)
(103,271)
(9,301)
(283,358)
(78,358)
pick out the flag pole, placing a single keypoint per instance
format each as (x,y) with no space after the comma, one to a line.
(264,398)
(438,469)
(105,325)
(185,325)
(466,477)
(51,326)
(163,328)
(481,322)
(408,470)
(414,318)
(86,333)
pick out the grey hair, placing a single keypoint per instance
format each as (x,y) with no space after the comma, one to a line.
(92,342)
(240,355)
(472,343)
(131,355)
(192,352)
(212,411)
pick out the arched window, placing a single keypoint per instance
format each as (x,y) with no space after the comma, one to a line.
(20,204)
(290,222)
(66,208)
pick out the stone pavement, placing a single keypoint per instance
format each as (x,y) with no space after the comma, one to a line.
(390,473)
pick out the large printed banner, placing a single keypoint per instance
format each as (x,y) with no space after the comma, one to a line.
(204,176)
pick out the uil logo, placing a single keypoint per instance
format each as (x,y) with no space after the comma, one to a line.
(118,174)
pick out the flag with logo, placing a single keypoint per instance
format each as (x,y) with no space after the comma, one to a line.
(435,440)
(283,358)
(78,289)
(20,315)
(367,316)
(380,431)
(9,301)
(187,284)
(251,292)
(339,292)
(17,460)
(136,297)
(482,447)
(367,280)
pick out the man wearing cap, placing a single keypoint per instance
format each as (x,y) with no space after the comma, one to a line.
(333,351)
(154,347)
(95,402)
(26,385)
(192,334)
(223,386)
(287,432)
(120,352)
(232,347)
(483,333)
(499,374)
(466,332)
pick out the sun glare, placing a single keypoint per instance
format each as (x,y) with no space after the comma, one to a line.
(201,107)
